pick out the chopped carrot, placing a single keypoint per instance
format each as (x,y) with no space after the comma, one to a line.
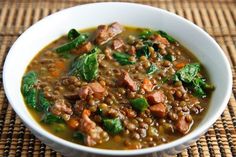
(180,65)
(86,112)
(147,85)
(60,65)
(55,73)
(73,123)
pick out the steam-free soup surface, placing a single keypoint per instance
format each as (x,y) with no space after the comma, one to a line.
(116,87)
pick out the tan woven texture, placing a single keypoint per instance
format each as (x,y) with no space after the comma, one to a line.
(217,17)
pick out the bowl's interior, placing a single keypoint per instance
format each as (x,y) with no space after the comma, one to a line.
(50,28)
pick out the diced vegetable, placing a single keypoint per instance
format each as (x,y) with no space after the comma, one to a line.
(147,85)
(86,66)
(122,58)
(169,57)
(165,35)
(71,45)
(143,51)
(188,72)
(72,34)
(113,126)
(50,118)
(28,90)
(153,68)
(139,104)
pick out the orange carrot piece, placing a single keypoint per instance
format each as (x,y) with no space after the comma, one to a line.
(86,112)
(147,85)
(73,123)
(55,73)
(180,65)
(60,65)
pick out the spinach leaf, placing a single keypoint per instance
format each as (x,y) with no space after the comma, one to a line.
(50,118)
(113,126)
(153,68)
(143,51)
(73,44)
(79,135)
(199,85)
(146,33)
(139,104)
(165,35)
(43,104)
(86,66)
(188,72)
(197,88)
(122,58)
(72,34)
(169,57)
(28,90)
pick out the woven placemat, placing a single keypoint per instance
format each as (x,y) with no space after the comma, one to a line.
(218,18)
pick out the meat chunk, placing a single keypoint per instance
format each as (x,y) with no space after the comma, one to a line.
(105,33)
(61,108)
(95,89)
(84,92)
(93,133)
(126,80)
(158,110)
(156,97)
(117,43)
(86,47)
(183,125)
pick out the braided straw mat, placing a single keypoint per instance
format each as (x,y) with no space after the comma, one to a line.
(217,17)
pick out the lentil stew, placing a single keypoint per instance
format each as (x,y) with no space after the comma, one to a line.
(116,87)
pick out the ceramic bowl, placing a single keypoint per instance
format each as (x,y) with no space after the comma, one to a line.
(52,27)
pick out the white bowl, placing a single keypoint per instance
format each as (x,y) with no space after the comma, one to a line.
(50,28)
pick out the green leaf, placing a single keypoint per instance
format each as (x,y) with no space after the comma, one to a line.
(188,72)
(50,118)
(86,66)
(113,126)
(79,136)
(43,104)
(146,33)
(143,51)
(169,57)
(139,104)
(28,90)
(73,44)
(122,58)
(199,85)
(165,35)
(153,68)
(72,34)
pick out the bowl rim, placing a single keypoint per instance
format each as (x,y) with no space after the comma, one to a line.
(192,135)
